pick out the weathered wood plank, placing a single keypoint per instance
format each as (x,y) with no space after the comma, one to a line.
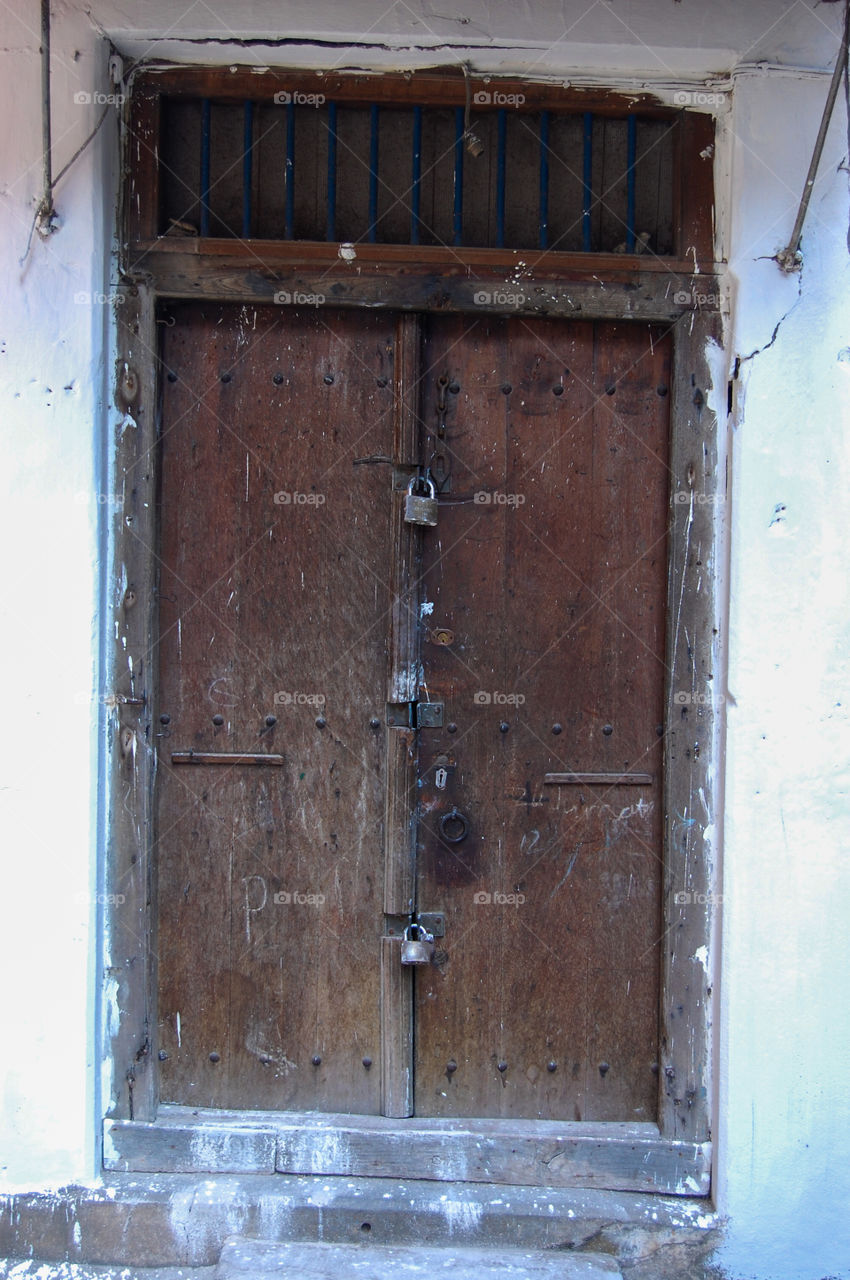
(651,297)
(403,639)
(138,1147)
(396,1032)
(129,950)
(444,88)
(692,739)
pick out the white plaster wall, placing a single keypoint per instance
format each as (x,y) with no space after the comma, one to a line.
(51,380)
(784,1121)
(785,1033)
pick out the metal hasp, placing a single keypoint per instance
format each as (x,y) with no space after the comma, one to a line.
(415,715)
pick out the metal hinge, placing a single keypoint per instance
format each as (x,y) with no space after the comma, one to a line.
(415,715)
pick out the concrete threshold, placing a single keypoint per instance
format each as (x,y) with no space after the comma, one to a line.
(264,1260)
(180,1220)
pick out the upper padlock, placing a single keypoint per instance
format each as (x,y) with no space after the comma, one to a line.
(421,508)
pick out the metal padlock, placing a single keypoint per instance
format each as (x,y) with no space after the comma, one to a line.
(418,950)
(421,508)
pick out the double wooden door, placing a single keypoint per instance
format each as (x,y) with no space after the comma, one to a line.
(361,720)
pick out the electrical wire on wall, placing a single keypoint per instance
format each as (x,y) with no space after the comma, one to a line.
(45,220)
(790,258)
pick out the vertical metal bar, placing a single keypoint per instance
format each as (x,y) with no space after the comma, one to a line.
(544,179)
(587,182)
(330,233)
(416,176)
(502,130)
(205,167)
(373,173)
(457,220)
(631,157)
(289,197)
(247,158)
(46,207)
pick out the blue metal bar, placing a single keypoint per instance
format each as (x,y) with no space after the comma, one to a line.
(373,173)
(416,175)
(289,204)
(330,233)
(587,182)
(205,167)
(631,157)
(544,179)
(458,205)
(247,155)
(502,128)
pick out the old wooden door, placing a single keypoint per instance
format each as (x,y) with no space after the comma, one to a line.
(306,631)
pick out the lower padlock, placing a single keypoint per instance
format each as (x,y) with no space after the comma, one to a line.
(418,950)
(421,508)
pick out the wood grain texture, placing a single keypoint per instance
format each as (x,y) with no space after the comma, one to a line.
(274,603)
(396,1031)
(129,945)
(693,742)
(549,566)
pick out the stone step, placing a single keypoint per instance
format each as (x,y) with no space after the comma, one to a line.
(243,1259)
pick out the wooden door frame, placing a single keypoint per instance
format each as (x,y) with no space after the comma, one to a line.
(675,1154)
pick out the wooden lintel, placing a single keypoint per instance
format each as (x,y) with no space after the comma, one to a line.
(653,296)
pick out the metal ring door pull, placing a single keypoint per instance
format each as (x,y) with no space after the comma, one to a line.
(454,826)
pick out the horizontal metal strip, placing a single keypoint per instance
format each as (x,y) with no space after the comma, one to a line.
(224,757)
(598,779)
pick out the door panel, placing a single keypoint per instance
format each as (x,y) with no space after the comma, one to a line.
(295,603)
(273,603)
(549,587)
